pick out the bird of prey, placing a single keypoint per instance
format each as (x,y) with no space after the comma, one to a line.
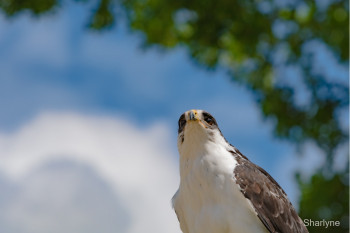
(220,190)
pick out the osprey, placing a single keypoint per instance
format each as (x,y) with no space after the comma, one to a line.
(220,190)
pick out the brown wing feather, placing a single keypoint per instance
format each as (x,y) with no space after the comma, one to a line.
(269,200)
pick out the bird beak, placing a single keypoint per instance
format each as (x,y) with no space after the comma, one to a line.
(193,115)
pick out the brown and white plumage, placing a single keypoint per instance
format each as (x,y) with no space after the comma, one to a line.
(221,190)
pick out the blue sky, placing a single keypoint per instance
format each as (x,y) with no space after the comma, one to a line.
(66,92)
(54,63)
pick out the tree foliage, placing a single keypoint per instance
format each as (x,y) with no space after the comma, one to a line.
(326,198)
(270,47)
(243,37)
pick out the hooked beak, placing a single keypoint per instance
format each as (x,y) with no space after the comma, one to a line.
(193,115)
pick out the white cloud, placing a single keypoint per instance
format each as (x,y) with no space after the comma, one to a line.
(306,162)
(136,164)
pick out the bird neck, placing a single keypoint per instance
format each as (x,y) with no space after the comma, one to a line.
(194,153)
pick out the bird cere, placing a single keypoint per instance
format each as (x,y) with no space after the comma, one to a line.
(221,190)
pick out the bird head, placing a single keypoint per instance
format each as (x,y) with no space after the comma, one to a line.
(196,129)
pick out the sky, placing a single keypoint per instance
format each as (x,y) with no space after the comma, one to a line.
(88,127)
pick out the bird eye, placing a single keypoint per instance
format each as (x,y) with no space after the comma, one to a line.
(182,123)
(208,118)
